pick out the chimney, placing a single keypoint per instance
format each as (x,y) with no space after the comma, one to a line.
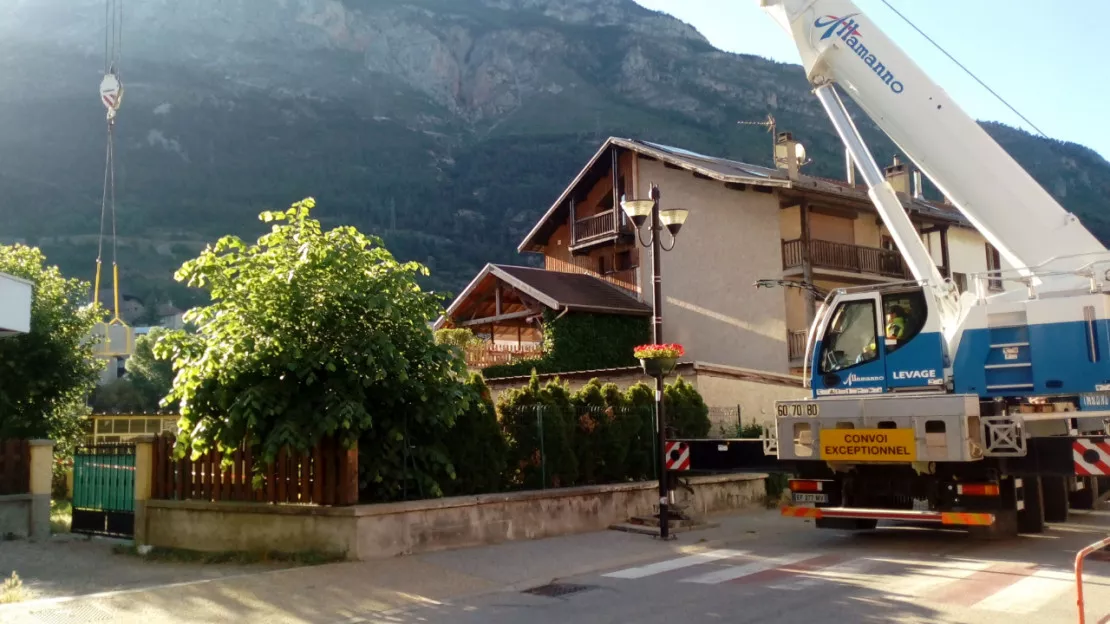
(850,168)
(786,154)
(918,190)
(899,177)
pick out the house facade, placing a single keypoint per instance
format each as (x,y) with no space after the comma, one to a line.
(15,305)
(746,224)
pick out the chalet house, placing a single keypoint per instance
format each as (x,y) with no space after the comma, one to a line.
(746,223)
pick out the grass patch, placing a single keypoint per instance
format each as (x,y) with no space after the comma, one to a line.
(61,516)
(12,590)
(182,555)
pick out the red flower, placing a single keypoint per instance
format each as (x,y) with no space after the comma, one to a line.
(668,350)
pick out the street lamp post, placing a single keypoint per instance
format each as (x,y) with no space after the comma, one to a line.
(639,210)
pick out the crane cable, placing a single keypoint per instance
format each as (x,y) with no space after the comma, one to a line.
(966,70)
(111,95)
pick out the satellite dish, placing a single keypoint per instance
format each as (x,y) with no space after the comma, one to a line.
(800,154)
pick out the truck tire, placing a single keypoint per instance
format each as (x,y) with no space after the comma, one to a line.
(1055,498)
(1085,499)
(1030,519)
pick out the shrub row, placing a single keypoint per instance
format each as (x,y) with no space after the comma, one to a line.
(548,436)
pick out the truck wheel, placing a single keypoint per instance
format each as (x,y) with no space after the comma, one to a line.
(1055,498)
(1005,526)
(1030,519)
(1085,498)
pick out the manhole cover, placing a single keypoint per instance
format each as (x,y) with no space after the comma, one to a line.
(553,590)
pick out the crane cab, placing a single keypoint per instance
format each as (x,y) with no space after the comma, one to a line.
(877,340)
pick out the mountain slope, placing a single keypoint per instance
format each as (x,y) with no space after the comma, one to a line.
(447,126)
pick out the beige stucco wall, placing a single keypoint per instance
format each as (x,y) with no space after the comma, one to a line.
(755,399)
(366,532)
(968,254)
(730,240)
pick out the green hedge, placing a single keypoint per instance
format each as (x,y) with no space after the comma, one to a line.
(600,434)
(476,446)
(582,341)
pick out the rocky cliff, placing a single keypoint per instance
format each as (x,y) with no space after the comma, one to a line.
(447,126)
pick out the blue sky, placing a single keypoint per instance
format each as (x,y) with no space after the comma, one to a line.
(1046,57)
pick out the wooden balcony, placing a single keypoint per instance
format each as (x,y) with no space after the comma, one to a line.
(844,257)
(627,280)
(600,228)
(492,355)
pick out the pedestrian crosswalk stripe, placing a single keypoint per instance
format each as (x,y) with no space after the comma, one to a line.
(732,573)
(983,585)
(676,564)
(1029,594)
(854,570)
(921,576)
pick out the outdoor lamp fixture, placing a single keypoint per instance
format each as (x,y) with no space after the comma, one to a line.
(639,211)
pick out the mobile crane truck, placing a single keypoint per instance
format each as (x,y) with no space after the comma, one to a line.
(990,410)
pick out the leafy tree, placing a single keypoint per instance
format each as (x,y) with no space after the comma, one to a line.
(151,376)
(119,396)
(461,337)
(313,334)
(46,374)
(148,381)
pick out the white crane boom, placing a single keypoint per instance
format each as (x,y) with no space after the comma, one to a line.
(838,43)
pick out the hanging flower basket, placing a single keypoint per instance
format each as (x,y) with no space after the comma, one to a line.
(658,359)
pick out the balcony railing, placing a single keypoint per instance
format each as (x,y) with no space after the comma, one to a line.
(844,257)
(597,226)
(796,343)
(492,355)
(627,280)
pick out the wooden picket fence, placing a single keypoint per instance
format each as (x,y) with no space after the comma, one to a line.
(326,476)
(15,467)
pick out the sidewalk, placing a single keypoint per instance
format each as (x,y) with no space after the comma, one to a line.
(351,592)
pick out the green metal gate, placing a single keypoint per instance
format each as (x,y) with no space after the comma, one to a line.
(104,490)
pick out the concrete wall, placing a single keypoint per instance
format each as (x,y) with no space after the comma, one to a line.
(730,240)
(15,516)
(367,532)
(219,527)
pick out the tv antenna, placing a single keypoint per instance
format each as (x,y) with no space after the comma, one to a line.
(768,123)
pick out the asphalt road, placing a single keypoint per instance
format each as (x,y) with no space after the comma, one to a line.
(898,573)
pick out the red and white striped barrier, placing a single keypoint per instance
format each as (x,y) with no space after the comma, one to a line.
(1091,457)
(677,456)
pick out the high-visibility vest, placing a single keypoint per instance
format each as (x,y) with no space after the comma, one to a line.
(895,328)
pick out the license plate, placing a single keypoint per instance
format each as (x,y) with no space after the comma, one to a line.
(806,409)
(811,498)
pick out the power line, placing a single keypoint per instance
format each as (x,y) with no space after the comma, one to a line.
(961,66)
